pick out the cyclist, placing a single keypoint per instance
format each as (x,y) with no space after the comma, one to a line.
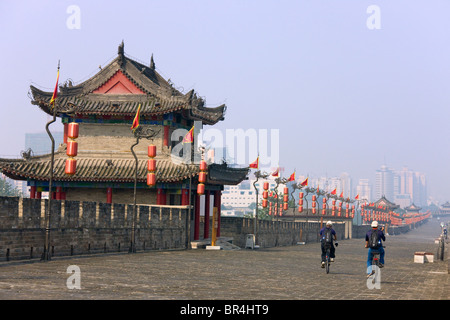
(379,245)
(327,235)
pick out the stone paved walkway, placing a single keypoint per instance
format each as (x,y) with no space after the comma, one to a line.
(283,273)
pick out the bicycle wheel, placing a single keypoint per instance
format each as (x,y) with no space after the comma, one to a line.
(327,261)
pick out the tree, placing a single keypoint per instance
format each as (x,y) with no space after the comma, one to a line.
(7,189)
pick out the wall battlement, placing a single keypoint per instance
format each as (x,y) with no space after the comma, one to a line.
(86,227)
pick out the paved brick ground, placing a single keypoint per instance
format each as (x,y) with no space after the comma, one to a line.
(291,273)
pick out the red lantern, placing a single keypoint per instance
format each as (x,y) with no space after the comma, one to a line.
(152,151)
(71,165)
(286,190)
(285,198)
(285,206)
(72,131)
(202,177)
(266,186)
(72,148)
(203,166)
(300,202)
(200,188)
(265,194)
(264,203)
(151,179)
(300,209)
(151,165)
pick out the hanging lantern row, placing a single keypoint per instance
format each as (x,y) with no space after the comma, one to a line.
(151,166)
(300,203)
(265,194)
(285,199)
(324,206)
(72,148)
(313,204)
(202,177)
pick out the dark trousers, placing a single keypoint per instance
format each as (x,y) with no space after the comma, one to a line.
(324,250)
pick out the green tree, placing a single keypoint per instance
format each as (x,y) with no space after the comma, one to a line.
(7,189)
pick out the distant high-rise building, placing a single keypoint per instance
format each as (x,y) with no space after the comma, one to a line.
(40,142)
(411,188)
(364,190)
(346,185)
(384,183)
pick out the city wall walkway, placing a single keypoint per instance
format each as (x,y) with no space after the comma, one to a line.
(281,273)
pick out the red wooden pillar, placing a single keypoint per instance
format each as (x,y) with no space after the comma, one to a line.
(160,197)
(66,130)
(217,204)
(207,205)
(184,197)
(166,135)
(58,193)
(38,195)
(32,192)
(63,195)
(109,195)
(197,217)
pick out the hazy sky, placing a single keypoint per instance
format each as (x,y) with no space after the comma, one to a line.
(344,97)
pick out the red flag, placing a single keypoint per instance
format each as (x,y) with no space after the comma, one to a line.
(334,191)
(255,164)
(304,183)
(136,119)
(55,92)
(276,173)
(357,197)
(189,137)
(342,194)
(292,177)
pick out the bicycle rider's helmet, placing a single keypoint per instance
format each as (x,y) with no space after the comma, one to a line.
(375,224)
(329,223)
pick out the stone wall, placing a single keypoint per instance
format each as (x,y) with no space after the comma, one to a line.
(276,233)
(86,227)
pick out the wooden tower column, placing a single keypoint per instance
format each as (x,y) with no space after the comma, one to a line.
(207,205)
(197,217)
(217,204)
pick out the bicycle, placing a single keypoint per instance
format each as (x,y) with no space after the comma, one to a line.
(327,261)
(327,258)
(376,265)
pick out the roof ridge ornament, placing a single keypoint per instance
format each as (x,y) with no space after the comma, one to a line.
(120,52)
(152,63)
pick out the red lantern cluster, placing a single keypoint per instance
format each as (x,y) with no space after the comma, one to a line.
(333,207)
(324,206)
(314,204)
(265,194)
(151,166)
(300,203)
(72,148)
(285,199)
(340,209)
(202,177)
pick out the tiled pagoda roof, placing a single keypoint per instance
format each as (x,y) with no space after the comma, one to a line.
(156,95)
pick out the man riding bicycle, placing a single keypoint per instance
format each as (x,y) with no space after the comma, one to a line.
(327,235)
(373,242)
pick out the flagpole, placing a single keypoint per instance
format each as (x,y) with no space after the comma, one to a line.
(46,254)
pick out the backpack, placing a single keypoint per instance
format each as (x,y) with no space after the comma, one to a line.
(327,237)
(373,239)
